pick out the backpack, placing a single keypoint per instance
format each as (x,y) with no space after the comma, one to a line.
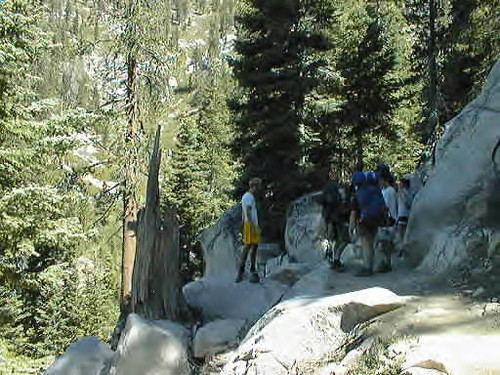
(373,210)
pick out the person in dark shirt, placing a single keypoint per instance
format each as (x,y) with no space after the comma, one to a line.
(336,208)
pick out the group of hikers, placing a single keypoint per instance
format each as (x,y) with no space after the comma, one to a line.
(371,208)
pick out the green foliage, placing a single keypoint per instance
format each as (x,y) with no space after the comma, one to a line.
(44,202)
(277,66)
(466,45)
(378,360)
(202,173)
(320,85)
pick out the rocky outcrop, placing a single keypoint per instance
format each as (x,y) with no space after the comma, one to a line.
(217,336)
(305,229)
(216,298)
(455,215)
(304,330)
(151,347)
(222,245)
(85,357)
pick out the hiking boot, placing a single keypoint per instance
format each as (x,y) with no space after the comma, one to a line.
(384,268)
(364,272)
(337,266)
(254,277)
(240,277)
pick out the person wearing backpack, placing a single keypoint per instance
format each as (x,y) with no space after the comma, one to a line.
(385,236)
(336,215)
(368,212)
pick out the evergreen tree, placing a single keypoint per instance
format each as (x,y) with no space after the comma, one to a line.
(453,52)
(370,88)
(202,169)
(276,41)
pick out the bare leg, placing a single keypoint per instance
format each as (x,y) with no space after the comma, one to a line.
(401,239)
(329,238)
(386,248)
(342,239)
(368,252)
(253,257)
(254,277)
(339,249)
(243,260)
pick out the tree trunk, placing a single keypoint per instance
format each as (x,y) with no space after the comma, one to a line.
(359,151)
(131,160)
(156,291)
(433,110)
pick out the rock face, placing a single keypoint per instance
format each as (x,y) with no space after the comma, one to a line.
(306,329)
(453,216)
(222,245)
(85,357)
(216,337)
(216,298)
(305,228)
(150,347)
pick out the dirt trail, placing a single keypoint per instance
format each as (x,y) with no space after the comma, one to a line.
(459,332)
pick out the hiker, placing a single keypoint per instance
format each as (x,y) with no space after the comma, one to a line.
(385,235)
(405,200)
(336,214)
(368,212)
(251,230)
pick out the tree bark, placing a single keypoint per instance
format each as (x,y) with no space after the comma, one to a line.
(433,111)
(359,151)
(131,159)
(156,292)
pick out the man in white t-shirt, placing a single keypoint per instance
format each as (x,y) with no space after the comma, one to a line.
(251,230)
(385,236)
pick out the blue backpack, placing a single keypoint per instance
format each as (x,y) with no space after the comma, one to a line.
(373,210)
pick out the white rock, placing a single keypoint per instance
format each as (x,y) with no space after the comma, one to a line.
(332,368)
(290,273)
(85,357)
(152,348)
(307,329)
(460,198)
(305,229)
(222,245)
(216,337)
(218,298)
(422,371)
(457,354)
(479,291)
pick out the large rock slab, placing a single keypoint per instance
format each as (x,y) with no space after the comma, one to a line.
(305,229)
(306,329)
(453,215)
(217,336)
(222,245)
(85,357)
(457,354)
(151,347)
(216,298)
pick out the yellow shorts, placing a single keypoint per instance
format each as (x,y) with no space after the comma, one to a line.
(251,233)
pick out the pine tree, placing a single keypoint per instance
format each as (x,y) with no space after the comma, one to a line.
(370,88)
(202,169)
(453,50)
(275,43)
